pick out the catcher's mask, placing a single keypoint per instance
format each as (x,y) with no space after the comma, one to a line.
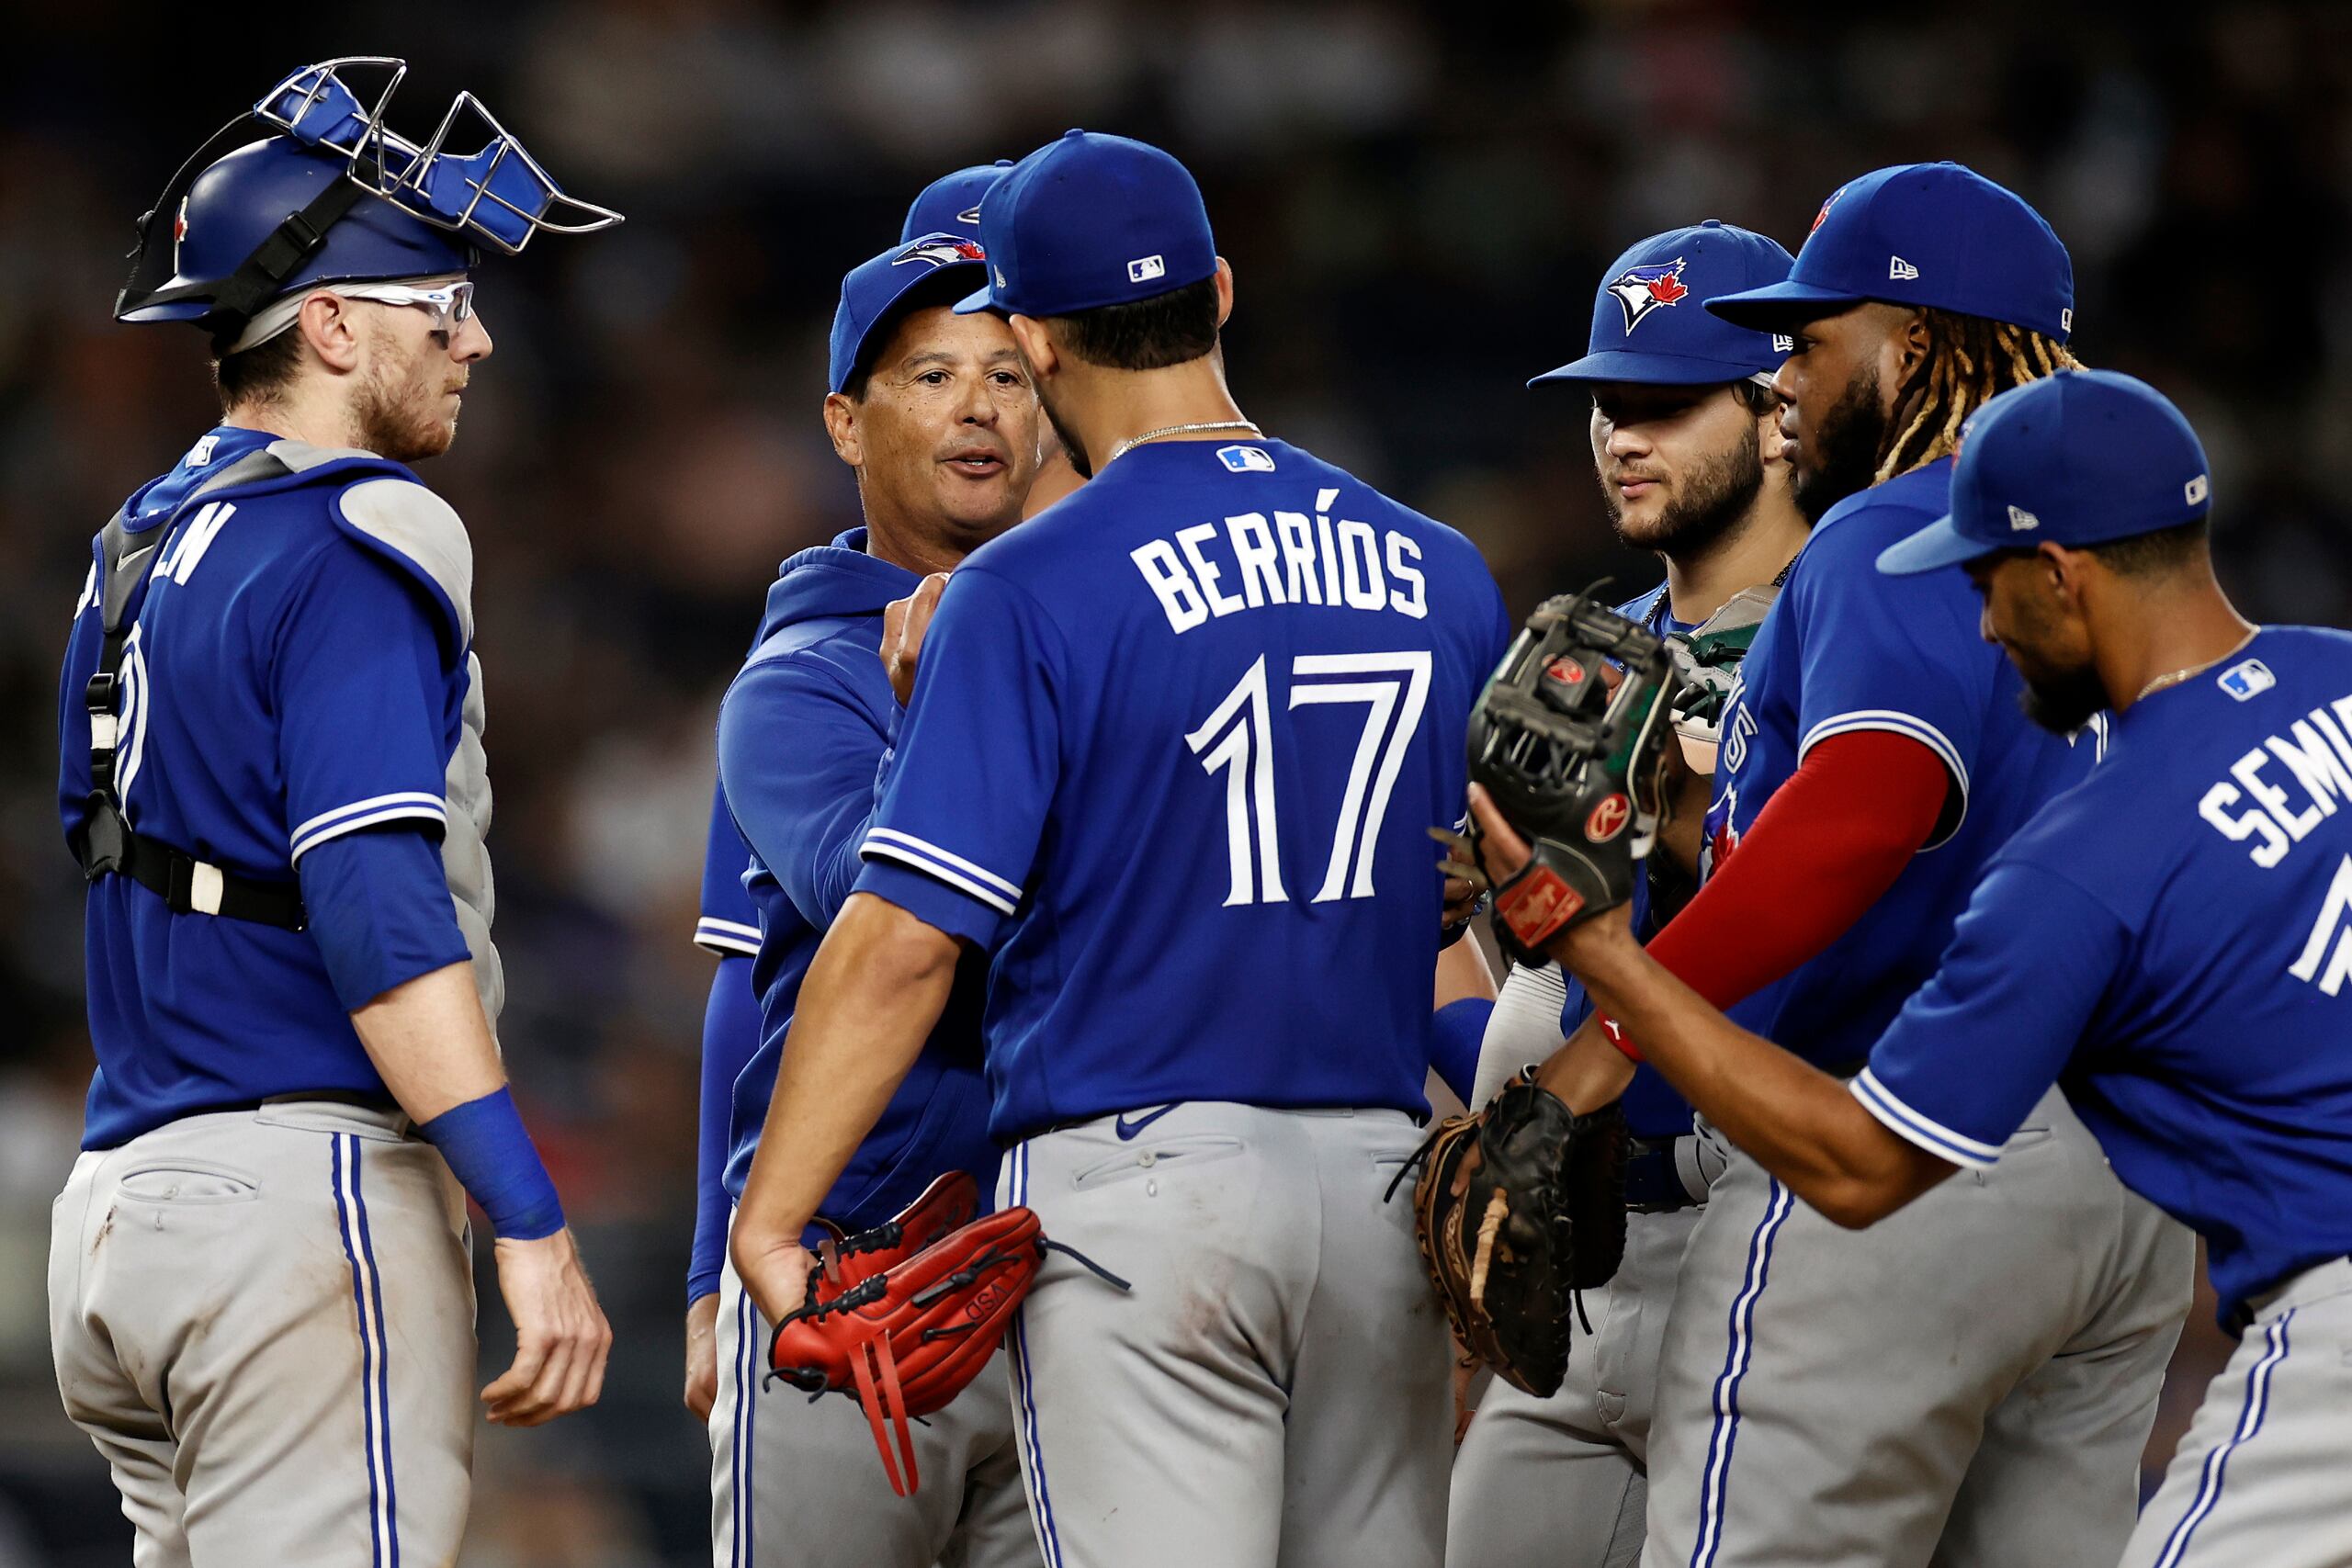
(310,188)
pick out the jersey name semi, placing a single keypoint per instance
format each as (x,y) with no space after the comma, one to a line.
(1173,752)
(2171,942)
(300,669)
(1846,647)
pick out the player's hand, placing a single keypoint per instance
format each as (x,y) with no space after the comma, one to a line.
(702,1354)
(1465,885)
(560,1334)
(774,1273)
(904,622)
(1682,824)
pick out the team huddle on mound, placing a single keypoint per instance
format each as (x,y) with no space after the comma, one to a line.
(1083,969)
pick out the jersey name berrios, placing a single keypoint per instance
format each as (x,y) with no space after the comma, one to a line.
(1846,647)
(2173,942)
(299,669)
(1173,752)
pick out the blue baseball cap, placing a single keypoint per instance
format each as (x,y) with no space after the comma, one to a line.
(1090,221)
(951,204)
(1644,323)
(875,294)
(1935,234)
(2079,458)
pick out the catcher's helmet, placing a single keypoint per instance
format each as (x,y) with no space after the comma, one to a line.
(310,188)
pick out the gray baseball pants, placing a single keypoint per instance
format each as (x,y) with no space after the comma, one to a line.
(264,1320)
(1274,1388)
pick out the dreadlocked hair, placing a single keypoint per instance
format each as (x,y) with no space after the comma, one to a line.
(1971,361)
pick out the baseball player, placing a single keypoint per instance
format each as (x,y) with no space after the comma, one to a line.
(261,1297)
(728,928)
(936,414)
(1686,440)
(1173,744)
(2167,941)
(1874,757)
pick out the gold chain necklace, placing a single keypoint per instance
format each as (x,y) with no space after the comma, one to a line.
(2174,678)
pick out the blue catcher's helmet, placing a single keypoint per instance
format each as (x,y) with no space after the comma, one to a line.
(327,195)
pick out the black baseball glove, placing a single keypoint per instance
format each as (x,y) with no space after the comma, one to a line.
(1570,739)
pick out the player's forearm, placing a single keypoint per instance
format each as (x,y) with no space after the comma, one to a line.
(1797,1122)
(872,996)
(431,1041)
(1463,975)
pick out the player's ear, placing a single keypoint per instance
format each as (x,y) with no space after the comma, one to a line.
(1914,342)
(841,425)
(1035,341)
(330,327)
(1223,291)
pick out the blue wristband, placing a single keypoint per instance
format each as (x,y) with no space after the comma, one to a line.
(484,1143)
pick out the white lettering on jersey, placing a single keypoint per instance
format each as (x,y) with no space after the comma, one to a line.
(2317,750)
(1738,728)
(192,539)
(2329,937)
(1297,559)
(1157,560)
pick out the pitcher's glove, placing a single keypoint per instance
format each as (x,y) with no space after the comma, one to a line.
(909,1335)
(1570,739)
(1540,1218)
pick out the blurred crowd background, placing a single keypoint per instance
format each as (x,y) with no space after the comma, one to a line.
(1417,202)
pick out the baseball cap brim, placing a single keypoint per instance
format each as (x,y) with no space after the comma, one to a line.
(1938,545)
(1781,305)
(979,299)
(1653,370)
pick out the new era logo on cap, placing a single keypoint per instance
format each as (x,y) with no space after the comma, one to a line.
(1782,343)
(1246,459)
(2247,679)
(2020,520)
(1899,270)
(1143,269)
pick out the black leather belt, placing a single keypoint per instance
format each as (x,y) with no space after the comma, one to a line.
(1653,1180)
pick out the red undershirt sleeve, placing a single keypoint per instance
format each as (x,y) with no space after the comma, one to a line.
(1825,848)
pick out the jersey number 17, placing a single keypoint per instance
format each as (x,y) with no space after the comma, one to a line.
(1237,740)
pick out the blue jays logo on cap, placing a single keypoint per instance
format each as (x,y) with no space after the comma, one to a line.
(939,250)
(1642,289)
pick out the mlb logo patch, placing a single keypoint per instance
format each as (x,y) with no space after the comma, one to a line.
(1246,460)
(1143,269)
(201,453)
(2195,490)
(1642,289)
(2247,679)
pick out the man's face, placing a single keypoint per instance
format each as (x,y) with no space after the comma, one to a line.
(947,429)
(1679,466)
(2044,637)
(1835,403)
(406,407)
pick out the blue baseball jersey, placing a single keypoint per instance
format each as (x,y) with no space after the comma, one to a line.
(294,676)
(1846,647)
(2171,941)
(802,736)
(1654,1107)
(1173,753)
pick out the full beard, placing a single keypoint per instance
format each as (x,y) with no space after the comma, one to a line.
(1715,496)
(1852,434)
(392,414)
(2062,701)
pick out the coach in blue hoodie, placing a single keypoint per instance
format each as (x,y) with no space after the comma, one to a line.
(936,415)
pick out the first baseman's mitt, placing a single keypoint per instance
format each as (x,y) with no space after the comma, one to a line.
(906,1324)
(1569,738)
(1542,1217)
